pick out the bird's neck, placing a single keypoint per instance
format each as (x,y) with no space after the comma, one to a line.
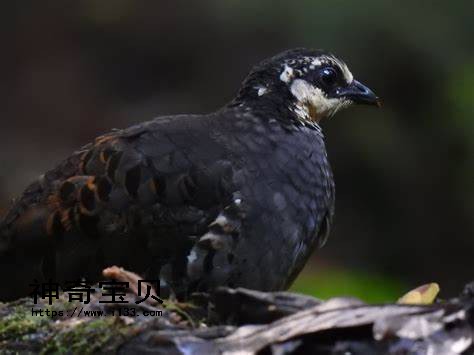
(268,105)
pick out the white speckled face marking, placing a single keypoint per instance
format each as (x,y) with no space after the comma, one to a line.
(317,62)
(312,103)
(287,74)
(325,60)
(345,70)
(313,85)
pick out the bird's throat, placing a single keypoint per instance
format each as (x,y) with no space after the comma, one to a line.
(306,112)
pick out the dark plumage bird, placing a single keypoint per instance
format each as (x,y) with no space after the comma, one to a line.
(238,197)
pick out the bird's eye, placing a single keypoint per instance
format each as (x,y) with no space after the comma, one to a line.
(328,76)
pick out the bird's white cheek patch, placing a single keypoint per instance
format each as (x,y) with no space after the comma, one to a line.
(309,95)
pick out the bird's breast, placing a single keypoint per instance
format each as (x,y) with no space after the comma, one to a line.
(286,185)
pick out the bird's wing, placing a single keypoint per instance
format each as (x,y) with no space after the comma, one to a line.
(132,197)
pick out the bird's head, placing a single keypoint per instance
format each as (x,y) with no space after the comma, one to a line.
(312,84)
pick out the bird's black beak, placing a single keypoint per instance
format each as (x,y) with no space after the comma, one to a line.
(359,94)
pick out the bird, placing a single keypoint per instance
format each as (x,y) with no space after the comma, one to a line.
(239,197)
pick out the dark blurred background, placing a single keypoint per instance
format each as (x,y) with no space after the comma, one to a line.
(404,174)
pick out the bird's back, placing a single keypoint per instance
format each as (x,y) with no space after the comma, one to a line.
(96,207)
(148,198)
